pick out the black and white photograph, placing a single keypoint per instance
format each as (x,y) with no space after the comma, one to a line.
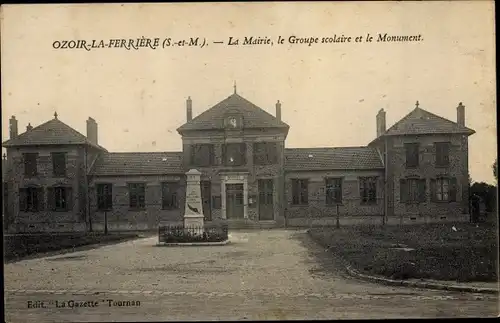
(244,161)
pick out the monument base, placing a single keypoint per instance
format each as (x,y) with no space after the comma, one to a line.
(194,221)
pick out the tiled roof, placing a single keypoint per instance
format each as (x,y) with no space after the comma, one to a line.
(52,132)
(332,158)
(152,163)
(253,116)
(420,121)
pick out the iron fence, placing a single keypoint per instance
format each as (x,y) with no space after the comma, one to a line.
(180,233)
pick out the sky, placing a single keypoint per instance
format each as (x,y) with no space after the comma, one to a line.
(330,93)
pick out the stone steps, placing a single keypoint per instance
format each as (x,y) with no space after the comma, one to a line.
(249,224)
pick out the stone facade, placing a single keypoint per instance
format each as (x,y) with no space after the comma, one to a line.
(351,204)
(264,194)
(44,219)
(122,217)
(249,174)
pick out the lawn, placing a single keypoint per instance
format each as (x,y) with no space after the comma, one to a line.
(439,252)
(17,246)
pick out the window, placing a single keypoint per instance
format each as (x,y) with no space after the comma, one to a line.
(202,155)
(137,192)
(169,195)
(60,198)
(368,190)
(333,191)
(104,197)
(442,153)
(235,154)
(444,189)
(412,190)
(31,199)
(30,164)
(59,164)
(300,191)
(265,153)
(412,157)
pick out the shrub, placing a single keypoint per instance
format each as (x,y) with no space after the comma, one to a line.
(186,235)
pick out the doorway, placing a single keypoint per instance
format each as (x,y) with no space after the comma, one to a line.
(234,201)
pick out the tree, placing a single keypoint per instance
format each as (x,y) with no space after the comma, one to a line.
(487,193)
(495,169)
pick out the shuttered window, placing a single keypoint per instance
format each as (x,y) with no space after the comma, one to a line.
(104,196)
(30,164)
(300,191)
(137,193)
(368,190)
(169,195)
(60,198)
(59,164)
(412,190)
(265,153)
(444,189)
(31,199)
(234,154)
(412,154)
(202,155)
(442,154)
(333,191)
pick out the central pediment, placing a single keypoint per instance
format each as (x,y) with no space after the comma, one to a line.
(234,112)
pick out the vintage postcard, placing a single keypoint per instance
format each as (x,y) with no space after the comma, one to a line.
(249,161)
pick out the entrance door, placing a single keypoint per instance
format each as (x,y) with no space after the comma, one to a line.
(266,205)
(206,199)
(234,201)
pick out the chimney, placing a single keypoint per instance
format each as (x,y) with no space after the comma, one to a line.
(461,114)
(189,109)
(380,122)
(278,110)
(13,127)
(29,127)
(92,131)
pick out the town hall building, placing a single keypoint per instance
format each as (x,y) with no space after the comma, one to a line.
(57,179)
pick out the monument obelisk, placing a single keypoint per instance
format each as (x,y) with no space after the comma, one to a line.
(193,211)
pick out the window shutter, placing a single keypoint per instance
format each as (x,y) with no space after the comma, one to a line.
(361,189)
(41,200)
(142,195)
(421,191)
(69,198)
(23,205)
(294,191)
(403,190)
(453,190)
(339,191)
(163,195)
(51,199)
(109,197)
(306,191)
(433,190)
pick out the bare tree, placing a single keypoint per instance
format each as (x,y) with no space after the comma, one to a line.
(495,169)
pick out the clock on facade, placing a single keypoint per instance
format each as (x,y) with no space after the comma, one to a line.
(233,123)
